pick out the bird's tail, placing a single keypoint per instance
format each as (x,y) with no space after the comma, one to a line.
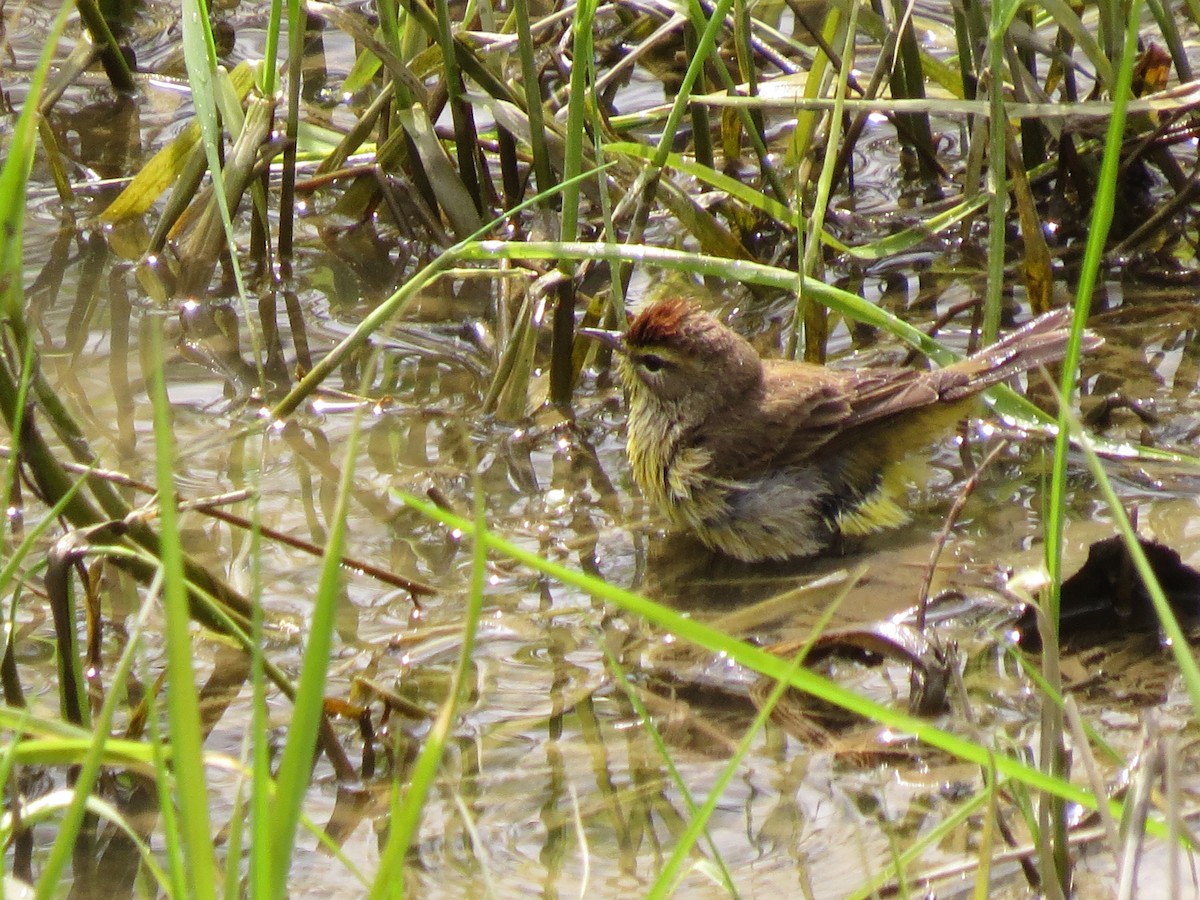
(1039,343)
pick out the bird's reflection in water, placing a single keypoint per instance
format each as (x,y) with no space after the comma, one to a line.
(877,578)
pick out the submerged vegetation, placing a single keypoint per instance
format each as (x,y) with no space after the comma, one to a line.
(330,263)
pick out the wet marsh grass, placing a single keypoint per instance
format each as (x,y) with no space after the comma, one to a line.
(507,170)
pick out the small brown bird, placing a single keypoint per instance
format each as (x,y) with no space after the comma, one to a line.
(772,459)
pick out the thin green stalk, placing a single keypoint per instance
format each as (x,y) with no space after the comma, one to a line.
(747,115)
(287,187)
(260,872)
(51,875)
(987,841)
(1102,215)
(1177,640)
(909,82)
(704,48)
(174,853)
(815,227)
(115,65)
(668,876)
(14,176)
(465,140)
(269,73)
(1002,15)
(702,148)
(542,169)
(183,702)
(200,58)
(621,679)
(295,766)
(14,459)
(585,13)
(967,53)
(620,273)
(583,80)
(408,806)
(1170,32)
(389,24)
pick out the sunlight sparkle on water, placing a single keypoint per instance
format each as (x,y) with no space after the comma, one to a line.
(169,84)
(1027,582)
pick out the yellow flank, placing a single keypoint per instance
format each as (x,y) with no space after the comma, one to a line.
(879,510)
(876,513)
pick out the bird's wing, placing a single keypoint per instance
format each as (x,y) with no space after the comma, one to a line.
(794,411)
(877,394)
(799,409)
(836,404)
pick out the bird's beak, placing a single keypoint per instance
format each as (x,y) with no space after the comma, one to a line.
(615,340)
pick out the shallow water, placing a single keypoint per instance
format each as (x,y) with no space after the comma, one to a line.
(550,786)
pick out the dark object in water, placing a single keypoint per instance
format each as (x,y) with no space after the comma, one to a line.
(1106,598)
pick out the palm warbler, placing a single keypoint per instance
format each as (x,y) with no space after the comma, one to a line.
(772,459)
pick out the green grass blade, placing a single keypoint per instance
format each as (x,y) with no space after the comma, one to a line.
(183,702)
(68,829)
(673,868)
(1102,215)
(295,765)
(14,175)
(408,805)
(765,663)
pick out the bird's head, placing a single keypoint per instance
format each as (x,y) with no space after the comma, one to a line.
(681,359)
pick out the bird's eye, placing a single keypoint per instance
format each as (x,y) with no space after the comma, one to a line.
(652,363)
